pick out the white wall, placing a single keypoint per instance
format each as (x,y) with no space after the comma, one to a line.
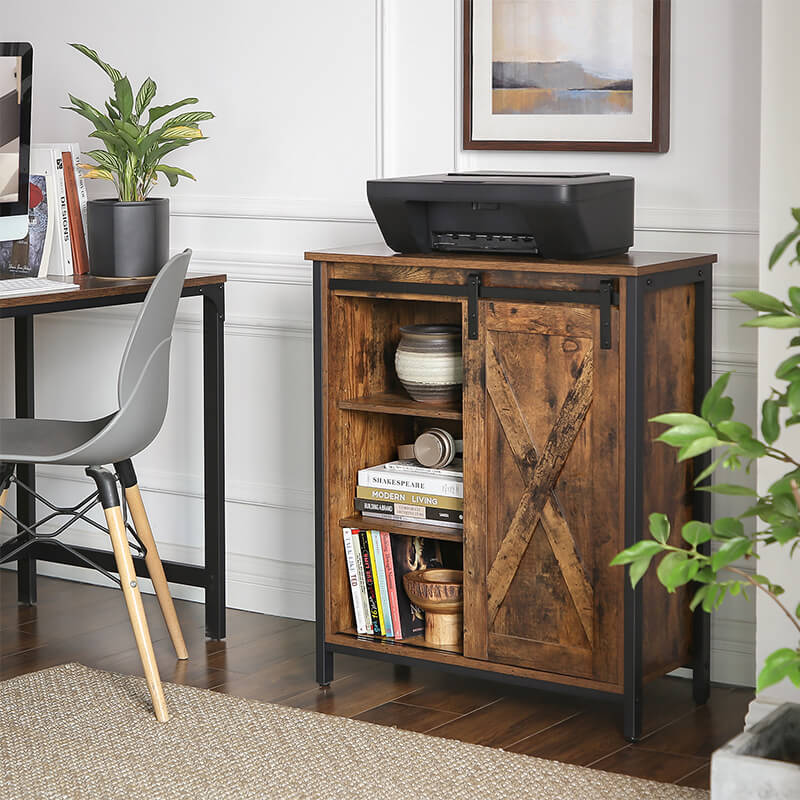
(318,97)
(780,191)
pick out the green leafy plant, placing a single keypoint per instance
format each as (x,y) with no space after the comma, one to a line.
(135,145)
(715,575)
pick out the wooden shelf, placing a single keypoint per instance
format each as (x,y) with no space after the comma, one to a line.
(406,528)
(395,403)
(412,641)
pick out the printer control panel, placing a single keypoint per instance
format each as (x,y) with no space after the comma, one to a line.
(484,242)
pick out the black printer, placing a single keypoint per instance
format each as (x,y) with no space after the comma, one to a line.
(553,215)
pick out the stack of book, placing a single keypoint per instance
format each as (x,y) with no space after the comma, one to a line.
(376,563)
(404,490)
(56,240)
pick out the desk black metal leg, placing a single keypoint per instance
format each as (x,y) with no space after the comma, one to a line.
(634,447)
(24,402)
(701,634)
(214,457)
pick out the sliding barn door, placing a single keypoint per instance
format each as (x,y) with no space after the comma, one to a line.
(543,431)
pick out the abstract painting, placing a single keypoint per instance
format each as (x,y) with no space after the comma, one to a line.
(562,57)
(566,74)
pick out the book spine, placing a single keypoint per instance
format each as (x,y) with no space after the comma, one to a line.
(63,213)
(83,197)
(386,547)
(383,584)
(376,583)
(347,536)
(411,513)
(80,258)
(362,582)
(47,257)
(410,482)
(369,580)
(410,498)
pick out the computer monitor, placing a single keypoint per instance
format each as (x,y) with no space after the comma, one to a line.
(16,78)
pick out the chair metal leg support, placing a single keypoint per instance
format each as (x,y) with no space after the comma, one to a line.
(127,477)
(109,497)
(6,471)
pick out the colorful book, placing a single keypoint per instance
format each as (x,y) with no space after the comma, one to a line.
(376,583)
(362,582)
(383,587)
(410,553)
(62,214)
(388,564)
(413,480)
(80,256)
(29,257)
(347,536)
(409,498)
(445,517)
(372,598)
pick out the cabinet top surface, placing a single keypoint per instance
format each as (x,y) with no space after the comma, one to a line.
(632,263)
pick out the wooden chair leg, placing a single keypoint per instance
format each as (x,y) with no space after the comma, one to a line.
(133,600)
(156,569)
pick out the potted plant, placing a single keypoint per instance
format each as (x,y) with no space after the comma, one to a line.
(765,761)
(128,236)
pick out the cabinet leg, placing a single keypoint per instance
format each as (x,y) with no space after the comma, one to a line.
(701,672)
(324,665)
(632,721)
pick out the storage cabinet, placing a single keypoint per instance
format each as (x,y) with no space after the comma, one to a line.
(564,363)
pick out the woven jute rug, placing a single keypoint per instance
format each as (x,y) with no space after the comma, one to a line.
(74,732)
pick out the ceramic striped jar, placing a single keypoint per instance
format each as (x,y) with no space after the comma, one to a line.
(428,362)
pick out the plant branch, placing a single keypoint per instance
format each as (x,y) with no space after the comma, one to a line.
(780,455)
(749,578)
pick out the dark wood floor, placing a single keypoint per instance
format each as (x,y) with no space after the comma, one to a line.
(272,659)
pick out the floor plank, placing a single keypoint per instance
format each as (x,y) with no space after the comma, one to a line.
(272,659)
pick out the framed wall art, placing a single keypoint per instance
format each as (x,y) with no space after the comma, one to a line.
(566,75)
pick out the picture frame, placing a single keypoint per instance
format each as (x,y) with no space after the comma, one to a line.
(532,105)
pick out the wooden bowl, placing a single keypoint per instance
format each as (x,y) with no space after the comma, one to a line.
(440,594)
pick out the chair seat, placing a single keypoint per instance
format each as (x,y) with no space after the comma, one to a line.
(45,440)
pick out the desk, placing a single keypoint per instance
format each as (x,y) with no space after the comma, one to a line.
(93,292)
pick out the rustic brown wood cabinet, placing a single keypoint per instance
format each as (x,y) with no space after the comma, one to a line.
(564,363)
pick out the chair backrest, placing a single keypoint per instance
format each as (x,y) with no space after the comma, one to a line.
(152,329)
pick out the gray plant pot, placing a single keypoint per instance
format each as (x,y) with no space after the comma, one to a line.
(127,240)
(762,762)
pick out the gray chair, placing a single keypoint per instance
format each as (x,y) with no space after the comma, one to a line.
(142,390)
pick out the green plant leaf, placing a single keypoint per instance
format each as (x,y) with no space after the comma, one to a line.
(659,527)
(699,595)
(752,447)
(679,418)
(728,527)
(730,489)
(684,434)
(777,321)
(698,447)
(781,246)
(785,367)
(646,548)
(730,551)
(783,663)
(784,485)
(793,397)
(736,431)
(770,427)
(105,159)
(709,470)
(637,570)
(714,394)
(675,569)
(721,411)
(160,111)
(147,91)
(695,532)
(112,73)
(189,118)
(173,173)
(794,298)
(760,301)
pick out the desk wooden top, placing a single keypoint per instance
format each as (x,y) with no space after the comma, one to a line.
(88,287)
(632,263)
